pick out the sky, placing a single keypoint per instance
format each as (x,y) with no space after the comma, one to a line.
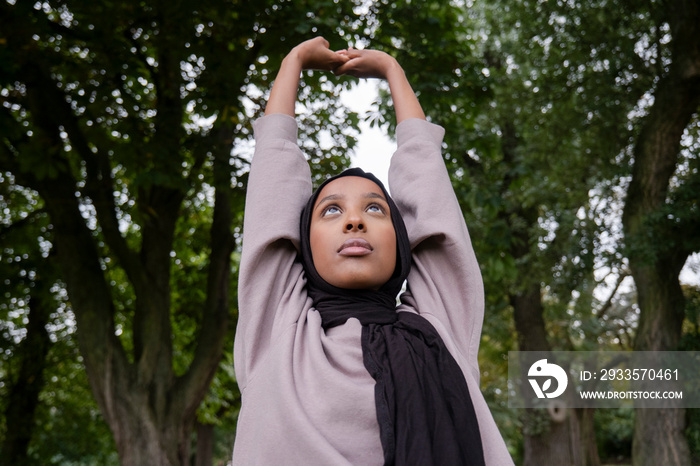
(374,148)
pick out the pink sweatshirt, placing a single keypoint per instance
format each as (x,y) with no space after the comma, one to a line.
(307,398)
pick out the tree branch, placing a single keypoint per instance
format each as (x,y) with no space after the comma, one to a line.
(608,303)
(159,203)
(192,386)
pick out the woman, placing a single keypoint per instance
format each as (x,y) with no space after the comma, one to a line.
(331,371)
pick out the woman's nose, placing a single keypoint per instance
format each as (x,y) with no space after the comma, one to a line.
(354,223)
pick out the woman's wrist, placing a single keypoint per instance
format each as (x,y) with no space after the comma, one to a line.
(393,70)
(293,60)
(284,90)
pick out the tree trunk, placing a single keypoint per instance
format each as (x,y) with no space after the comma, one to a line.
(659,434)
(23,395)
(548,438)
(590,447)
(205,444)
(556,439)
(555,446)
(659,438)
(655,245)
(143,440)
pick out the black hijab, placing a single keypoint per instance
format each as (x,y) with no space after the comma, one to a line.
(424,410)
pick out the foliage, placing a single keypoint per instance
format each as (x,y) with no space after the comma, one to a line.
(136,102)
(131,106)
(124,113)
(70,429)
(542,103)
(614,429)
(690,341)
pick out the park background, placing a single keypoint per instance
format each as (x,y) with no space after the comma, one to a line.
(125,141)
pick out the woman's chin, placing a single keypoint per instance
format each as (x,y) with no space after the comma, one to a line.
(357,281)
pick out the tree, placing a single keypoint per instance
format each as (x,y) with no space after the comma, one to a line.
(47,414)
(538,132)
(503,146)
(550,134)
(121,118)
(588,66)
(661,222)
(31,274)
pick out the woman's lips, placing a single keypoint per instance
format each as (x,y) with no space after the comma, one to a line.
(355,247)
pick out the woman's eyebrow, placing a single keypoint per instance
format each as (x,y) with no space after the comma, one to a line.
(337,197)
(373,195)
(331,197)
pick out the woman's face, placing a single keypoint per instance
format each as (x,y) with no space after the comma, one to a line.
(353,242)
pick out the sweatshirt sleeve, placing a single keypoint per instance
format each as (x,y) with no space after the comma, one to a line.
(270,281)
(445,281)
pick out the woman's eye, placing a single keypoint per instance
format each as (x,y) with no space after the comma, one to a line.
(375,208)
(331,210)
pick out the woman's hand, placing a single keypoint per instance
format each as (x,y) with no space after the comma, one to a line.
(314,54)
(376,64)
(367,64)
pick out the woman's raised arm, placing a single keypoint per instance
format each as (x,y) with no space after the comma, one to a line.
(311,54)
